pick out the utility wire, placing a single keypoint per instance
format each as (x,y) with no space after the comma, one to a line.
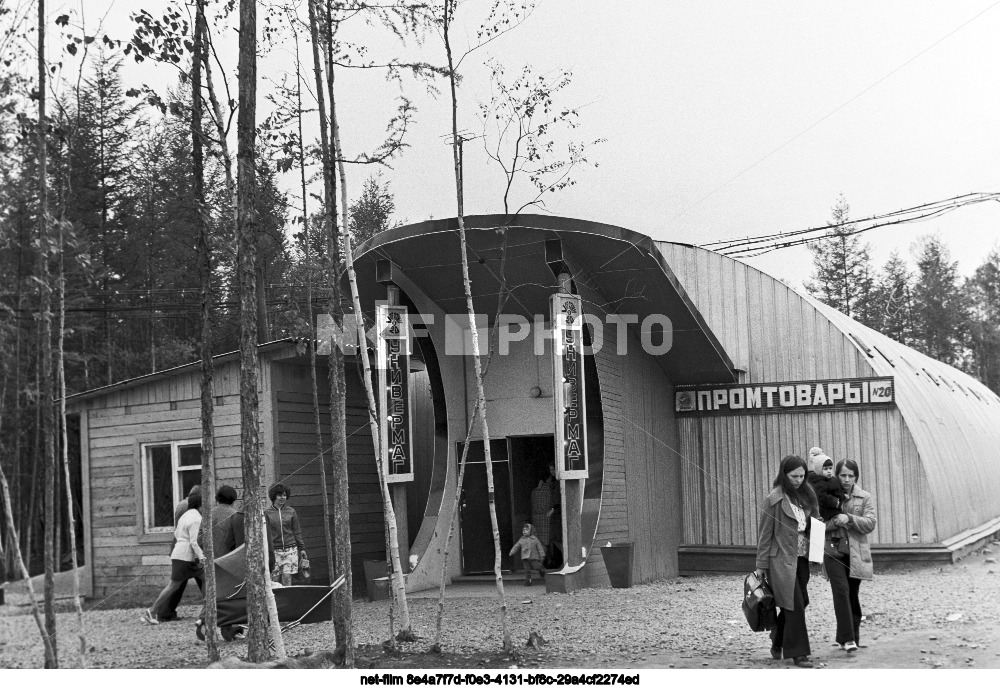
(761,244)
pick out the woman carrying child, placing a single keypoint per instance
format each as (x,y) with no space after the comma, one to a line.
(847,557)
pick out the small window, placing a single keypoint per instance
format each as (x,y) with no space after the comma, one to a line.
(169,471)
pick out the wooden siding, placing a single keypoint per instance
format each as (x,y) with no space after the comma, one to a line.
(124,560)
(774,334)
(298,466)
(640,497)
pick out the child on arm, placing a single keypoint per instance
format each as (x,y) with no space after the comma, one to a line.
(531,551)
(829,492)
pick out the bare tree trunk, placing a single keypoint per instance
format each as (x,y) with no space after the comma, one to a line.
(45,400)
(343,603)
(15,546)
(480,391)
(220,131)
(209,622)
(14,543)
(436,647)
(450,526)
(262,321)
(246,230)
(274,625)
(18,478)
(389,513)
(320,452)
(71,521)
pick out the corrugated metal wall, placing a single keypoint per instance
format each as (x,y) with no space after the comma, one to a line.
(774,334)
(954,422)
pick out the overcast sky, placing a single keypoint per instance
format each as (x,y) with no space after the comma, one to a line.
(721,119)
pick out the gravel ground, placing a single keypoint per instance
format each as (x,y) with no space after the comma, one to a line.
(916,618)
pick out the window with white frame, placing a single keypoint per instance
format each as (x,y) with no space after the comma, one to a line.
(169,470)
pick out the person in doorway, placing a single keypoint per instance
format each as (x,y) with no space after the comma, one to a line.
(847,557)
(541,503)
(169,612)
(531,552)
(782,555)
(829,492)
(555,549)
(286,534)
(186,559)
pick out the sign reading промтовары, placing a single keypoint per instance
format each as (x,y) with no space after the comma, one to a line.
(816,395)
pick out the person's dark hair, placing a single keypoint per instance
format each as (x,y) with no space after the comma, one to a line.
(804,495)
(194,501)
(850,464)
(272,494)
(226,495)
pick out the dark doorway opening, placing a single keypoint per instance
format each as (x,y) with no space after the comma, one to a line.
(520,465)
(530,457)
(477,529)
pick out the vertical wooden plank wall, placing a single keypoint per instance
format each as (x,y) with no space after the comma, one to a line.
(641,491)
(298,465)
(773,334)
(125,561)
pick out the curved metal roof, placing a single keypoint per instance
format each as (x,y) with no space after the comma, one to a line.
(623,266)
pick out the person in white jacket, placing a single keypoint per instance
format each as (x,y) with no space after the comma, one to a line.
(187,561)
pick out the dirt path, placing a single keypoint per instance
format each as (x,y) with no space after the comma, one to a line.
(943,617)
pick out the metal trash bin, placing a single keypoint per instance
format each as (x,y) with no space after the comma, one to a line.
(381,589)
(618,562)
(375,570)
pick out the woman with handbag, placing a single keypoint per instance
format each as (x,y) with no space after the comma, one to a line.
(847,557)
(286,533)
(782,555)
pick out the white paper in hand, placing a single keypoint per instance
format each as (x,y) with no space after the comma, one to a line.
(817,535)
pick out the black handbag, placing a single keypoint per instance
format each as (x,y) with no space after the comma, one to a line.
(758,603)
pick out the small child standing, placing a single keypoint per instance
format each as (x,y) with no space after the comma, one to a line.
(531,551)
(829,492)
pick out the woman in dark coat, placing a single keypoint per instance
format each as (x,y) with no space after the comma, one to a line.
(782,554)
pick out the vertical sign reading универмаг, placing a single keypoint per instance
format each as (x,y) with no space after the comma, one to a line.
(568,387)
(392,330)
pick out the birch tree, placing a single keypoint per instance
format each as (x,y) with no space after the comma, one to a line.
(14,544)
(502,18)
(524,130)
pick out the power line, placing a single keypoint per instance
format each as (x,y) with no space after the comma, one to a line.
(761,244)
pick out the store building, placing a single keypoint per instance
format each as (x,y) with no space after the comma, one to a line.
(696,374)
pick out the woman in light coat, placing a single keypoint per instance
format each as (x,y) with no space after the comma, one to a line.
(186,559)
(782,554)
(847,556)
